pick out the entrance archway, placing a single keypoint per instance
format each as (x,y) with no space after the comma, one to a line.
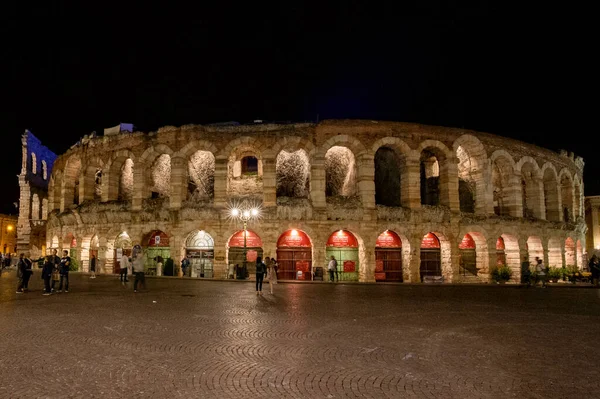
(294,256)
(199,248)
(156,250)
(467,256)
(344,246)
(122,247)
(94,246)
(235,253)
(70,244)
(388,257)
(431,257)
(500,252)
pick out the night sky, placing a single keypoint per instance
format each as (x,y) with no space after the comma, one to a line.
(490,66)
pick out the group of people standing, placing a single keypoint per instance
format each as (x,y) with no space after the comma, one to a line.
(56,269)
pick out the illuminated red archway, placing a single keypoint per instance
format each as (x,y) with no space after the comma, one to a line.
(236,253)
(157,250)
(343,245)
(500,252)
(467,260)
(388,257)
(294,256)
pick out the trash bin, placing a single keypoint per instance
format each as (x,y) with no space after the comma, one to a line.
(318,274)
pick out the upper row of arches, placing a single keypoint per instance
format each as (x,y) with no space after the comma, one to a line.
(388,173)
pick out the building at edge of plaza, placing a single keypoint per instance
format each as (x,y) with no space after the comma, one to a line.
(8,234)
(391,201)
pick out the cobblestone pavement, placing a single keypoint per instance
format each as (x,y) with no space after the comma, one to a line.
(218,339)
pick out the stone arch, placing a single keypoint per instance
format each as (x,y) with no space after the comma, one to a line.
(245,142)
(158,176)
(240,184)
(480,236)
(194,146)
(434,158)
(472,162)
(290,144)
(292,174)
(89,246)
(55,189)
(551,199)
(200,175)
(512,254)
(555,252)
(531,195)
(92,179)
(390,156)
(70,193)
(504,184)
(340,172)
(341,140)
(535,249)
(365,269)
(118,179)
(445,254)
(566,195)
(35,207)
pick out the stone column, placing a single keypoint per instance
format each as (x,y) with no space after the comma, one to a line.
(110,183)
(179,177)
(410,182)
(366,272)
(366,181)
(269,182)
(87,183)
(220,199)
(414,267)
(449,184)
(513,196)
(594,208)
(23,224)
(139,187)
(484,191)
(317,183)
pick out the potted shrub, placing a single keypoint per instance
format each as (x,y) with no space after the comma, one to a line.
(501,274)
(554,274)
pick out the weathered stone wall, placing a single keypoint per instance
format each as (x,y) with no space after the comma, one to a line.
(470,155)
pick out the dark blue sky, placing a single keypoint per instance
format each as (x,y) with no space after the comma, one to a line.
(514,70)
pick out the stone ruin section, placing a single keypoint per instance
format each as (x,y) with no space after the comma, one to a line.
(36,168)
(395,201)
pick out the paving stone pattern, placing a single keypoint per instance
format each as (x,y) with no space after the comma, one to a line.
(218,339)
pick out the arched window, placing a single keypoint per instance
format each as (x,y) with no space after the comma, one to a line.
(44,170)
(33,163)
(249,165)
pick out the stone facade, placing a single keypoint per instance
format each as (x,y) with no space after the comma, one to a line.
(507,198)
(36,168)
(592,220)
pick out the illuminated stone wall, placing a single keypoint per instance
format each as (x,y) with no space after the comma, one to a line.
(320,178)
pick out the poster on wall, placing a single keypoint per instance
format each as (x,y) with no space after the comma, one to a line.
(379,276)
(349,266)
(119,254)
(251,255)
(302,265)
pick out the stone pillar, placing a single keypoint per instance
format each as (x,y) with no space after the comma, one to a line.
(410,182)
(449,184)
(366,181)
(139,187)
(484,192)
(110,183)
(537,202)
(220,199)
(319,255)
(179,178)
(594,208)
(87,183)
(415,259)
(317,183)
(23,222)
(513,196)
(269,182)
(366,272)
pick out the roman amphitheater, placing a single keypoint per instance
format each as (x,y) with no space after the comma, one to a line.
(391,201)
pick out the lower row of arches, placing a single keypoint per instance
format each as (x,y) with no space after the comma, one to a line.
(295,253)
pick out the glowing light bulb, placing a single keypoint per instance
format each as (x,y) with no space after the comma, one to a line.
(246,214)
(254,212)
(235,212)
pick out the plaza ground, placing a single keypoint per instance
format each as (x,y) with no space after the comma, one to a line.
(205,339)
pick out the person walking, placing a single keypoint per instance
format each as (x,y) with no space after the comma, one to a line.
(271,273)
(138,271)
(594,266)
(261,269)
(47,275)
(65,263)
(93,266)
(332,268)
(28,273)
(21,272)
(124,267)
(526,272)
(541,271)
(55,261)
(185,263)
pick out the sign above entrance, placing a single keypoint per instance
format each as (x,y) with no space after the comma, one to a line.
(430,241)
(342,238)
(293,238)
(388,239)
(467,242)
(157,238)
(252,240)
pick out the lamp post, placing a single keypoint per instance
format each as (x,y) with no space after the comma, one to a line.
(245,214)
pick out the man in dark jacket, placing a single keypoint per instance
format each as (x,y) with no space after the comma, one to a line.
(65,263)
(47,274)
(21,273)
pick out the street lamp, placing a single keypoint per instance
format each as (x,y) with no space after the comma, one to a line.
(245,213)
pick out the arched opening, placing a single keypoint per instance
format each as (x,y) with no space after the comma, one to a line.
(551,196)
(530,191)
(535,249)
(388,257)
(566,190)
(55,244)
(580,262)
(570,260)
(340,172)
(123,246)
(200,250)
(70,182)
(467,256)
(44,170)
(554,253)
(240,244)
(98,184)
(430,179)
(431,258)
(511,255)
(500,252)
(249,165)
(201,176)
(125,192)
(70,244)
(343,245)
(35,207)
(89,248)
(45,209)
(294,256)
(156,252)
(245,174)
(33,163)
(388,167)
(160,172)
(292,171)
(466,180)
